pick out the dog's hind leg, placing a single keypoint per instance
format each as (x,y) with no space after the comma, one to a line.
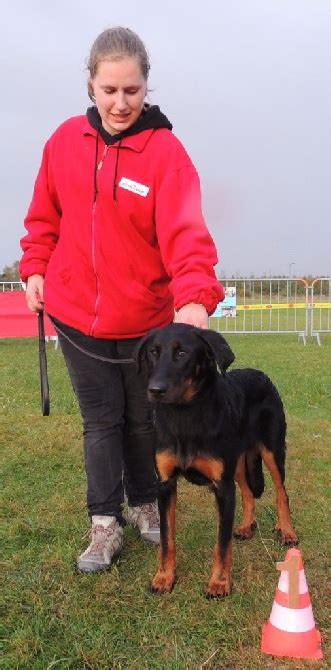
(164,578)
(284,525)
(220,580)
(248,523)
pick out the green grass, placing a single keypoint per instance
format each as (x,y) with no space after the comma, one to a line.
(54,618)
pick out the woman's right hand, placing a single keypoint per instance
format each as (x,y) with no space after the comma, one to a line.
(35,293)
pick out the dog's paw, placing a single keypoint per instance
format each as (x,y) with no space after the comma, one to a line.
(245,532)
(163,582)
(288,540)
(218,588)
(287,536)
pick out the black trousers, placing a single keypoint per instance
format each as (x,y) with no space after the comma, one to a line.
(118,432)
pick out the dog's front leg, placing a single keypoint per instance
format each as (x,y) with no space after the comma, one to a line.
(165,577)
(220,580)
(248,523)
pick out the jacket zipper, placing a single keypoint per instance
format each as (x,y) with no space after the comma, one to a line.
(100,164)
(94,264)
(95,271)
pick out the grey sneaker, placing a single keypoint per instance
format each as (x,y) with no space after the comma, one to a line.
(146,518)
(107,540)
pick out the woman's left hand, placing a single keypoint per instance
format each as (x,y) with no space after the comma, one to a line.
(193,314)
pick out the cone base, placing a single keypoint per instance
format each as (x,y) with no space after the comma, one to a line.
(277,642)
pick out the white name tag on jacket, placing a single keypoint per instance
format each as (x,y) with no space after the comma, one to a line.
(134,186)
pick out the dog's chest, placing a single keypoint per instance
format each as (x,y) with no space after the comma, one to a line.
(194,432)
(201,445)
(180,432)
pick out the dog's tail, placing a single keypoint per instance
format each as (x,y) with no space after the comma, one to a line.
(254,473)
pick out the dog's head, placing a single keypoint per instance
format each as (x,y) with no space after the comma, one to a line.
(180,360)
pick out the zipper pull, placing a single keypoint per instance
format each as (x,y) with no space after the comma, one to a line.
(100,164)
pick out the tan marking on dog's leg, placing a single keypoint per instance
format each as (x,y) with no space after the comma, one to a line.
(209,467)
(164,578)
(219,584)
(166,463)
(284,524)
(248,523)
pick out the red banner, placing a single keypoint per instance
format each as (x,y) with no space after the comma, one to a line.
(16,320)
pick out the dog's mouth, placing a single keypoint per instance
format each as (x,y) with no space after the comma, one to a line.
(174,395)
(161,399)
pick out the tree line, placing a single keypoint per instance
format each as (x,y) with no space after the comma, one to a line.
(10,272)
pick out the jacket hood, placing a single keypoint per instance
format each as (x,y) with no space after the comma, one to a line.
(151,117)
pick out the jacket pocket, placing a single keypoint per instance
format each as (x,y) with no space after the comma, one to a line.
(144,294)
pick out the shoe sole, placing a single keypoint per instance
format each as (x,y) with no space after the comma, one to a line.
(145,539)
(148,541)
(84,571)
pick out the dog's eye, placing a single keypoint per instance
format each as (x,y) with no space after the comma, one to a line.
(154,352)
(180,353)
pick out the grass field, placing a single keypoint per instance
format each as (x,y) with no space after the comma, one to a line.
(54,618)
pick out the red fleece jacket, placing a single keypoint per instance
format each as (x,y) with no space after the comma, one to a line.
(121,252)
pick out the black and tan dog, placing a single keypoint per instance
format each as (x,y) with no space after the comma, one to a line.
(213,428)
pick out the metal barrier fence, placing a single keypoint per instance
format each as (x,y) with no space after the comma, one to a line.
(11,286)
(320,301)
(275,305)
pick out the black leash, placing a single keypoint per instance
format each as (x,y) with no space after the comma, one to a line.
(44,387)
(89,353)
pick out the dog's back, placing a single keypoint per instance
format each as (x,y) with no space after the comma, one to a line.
(257,403)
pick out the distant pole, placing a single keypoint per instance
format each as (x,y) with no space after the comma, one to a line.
(290,276)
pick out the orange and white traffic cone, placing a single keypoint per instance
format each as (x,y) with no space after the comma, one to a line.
(291,629)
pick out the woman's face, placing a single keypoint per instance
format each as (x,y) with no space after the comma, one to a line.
(119,89)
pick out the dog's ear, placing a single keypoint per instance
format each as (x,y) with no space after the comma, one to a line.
(219,347)
(140,351)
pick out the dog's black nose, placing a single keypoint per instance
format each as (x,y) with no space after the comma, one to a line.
(157,390)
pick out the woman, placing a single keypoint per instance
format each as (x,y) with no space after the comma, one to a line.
(116,245)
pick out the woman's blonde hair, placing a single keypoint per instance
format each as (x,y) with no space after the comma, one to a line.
(114,44)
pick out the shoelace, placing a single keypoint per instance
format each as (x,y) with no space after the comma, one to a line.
(98,544)
(150,510)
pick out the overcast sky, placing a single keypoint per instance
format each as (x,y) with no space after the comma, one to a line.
(247,86)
